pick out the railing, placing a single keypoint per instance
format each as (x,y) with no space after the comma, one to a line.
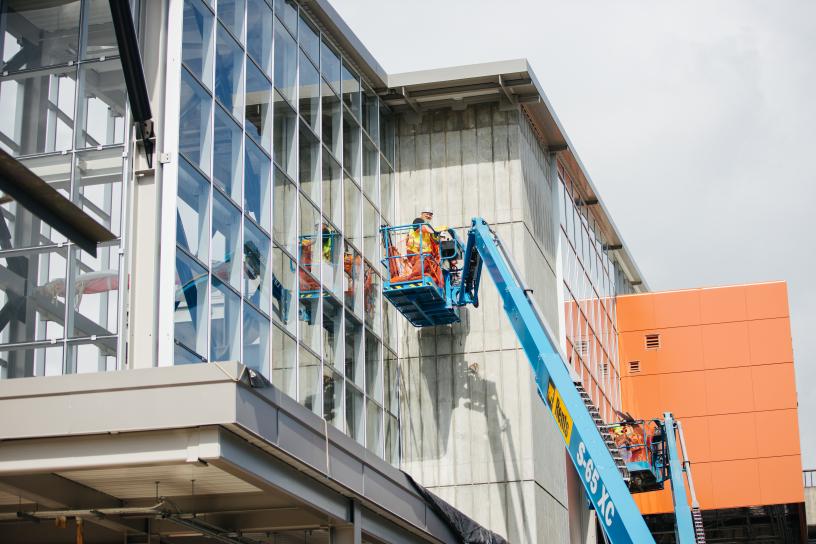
(809,477)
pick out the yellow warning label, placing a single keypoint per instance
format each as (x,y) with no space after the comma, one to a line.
(562,417)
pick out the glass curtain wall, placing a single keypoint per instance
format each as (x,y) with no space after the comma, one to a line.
(283,149)
(64,116)
(591,281)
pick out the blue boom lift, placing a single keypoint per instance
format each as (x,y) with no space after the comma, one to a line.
(610,472)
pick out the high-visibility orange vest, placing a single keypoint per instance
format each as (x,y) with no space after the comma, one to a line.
(429,241)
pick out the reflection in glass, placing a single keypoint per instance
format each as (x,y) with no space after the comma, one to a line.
(229,63)
(309,96)
(40,34)
(287,10)
(231,13)
(100,38)
(284,143)
(310,381)
(351,90)
(391,387)
(330,65)
(227,155)
(285,219)
(284,290)
(371,232)
(193,212)
(332,189)
(28,362)
(194,122)
(353,355)
(38,112)
(101,111)
(196,48)
(333,332)
(256,266)
(309,39)
(97,355)
(308,159)
(284,361)
(258,106)
(353,216)
(226,237)
(331,120)
(256,341)
(259,34)
(371,306)
(332,253)
(333,398)
(387,191)
(225,323)
(370,168)
(371,113)
(391,440)
(257,196)
(373,374)
(374,427)
(352,269)
(190,314)
(286,59)
(351,145)
(354,414)
(387,136)
(94,298)
(98,186)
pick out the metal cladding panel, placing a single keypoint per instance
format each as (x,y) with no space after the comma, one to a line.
(301,442)
(724,367)
(394,498)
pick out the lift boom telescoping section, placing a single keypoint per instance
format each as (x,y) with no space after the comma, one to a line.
(617,512)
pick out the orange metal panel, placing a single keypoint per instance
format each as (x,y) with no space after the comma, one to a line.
(735,483)
(683,394)
(777,433)
(635,312)
(770,341)
(641,396)
(725,345)
(677,308)
(634,349)
(780,480)
(729,390)
(734,436)
(767,300)
(774,386)
(681,349)
(697,431)
(722,304)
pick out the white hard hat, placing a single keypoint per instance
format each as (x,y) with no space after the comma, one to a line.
(426,209)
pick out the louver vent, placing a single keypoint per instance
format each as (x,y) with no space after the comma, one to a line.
(652,341)
(582,347)
(604,369)
(634,367)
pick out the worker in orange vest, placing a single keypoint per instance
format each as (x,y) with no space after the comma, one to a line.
(422,246)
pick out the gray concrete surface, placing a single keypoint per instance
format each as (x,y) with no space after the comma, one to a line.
(810,507)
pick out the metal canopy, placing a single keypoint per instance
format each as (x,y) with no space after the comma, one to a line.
(42,200)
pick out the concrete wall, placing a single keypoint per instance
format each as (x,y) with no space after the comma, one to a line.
(473,428)
(810,507)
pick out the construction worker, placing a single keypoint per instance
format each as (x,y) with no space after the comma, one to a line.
(421,246)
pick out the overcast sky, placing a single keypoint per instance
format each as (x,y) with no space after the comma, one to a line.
(696,121)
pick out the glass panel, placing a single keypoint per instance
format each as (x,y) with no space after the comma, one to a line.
(256,266)
(353,222)
(387,134)
(371,112)
(308,159)
(226,239)
(38,112)
(225,323)
(286,59)
(392,440)
(284,218)
(353,355)
(284,359)
(18,226)
(284,290)
(373,373)
(100,38)
(372,307)
(310,381)
(371,232)
(309,39)
(311,238)
(391,387)
(354,414)
(193,211)
(98,182)
(332,193)
(102,108)
(95,356)
(256,341)
(259,34)
(332,332)
(95,297)
(284,142)
(370,168)
(227,155)
(309,92)
(40,33)
(229,65)
(309,311)
(374,427)
(333,398)
(331,120)
(352,263)
(257,203)
(231,13)
(288,12)
(28,362)
(258,107)
(196,48)
(331,258)
(330,65)
(351,90)
(33,296)
(190,316)
(387,191)
(194,123)
(389,325)
(351,145)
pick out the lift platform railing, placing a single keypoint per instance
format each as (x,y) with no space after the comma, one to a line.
(448,251)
